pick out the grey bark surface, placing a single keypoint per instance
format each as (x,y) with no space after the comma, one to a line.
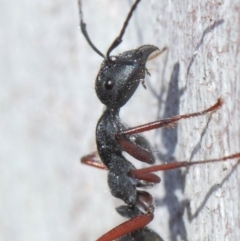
(49,112)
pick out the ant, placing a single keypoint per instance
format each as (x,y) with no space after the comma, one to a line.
(116,82)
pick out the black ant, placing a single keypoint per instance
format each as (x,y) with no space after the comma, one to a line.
(116,82)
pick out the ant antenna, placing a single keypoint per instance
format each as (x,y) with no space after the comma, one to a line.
(84,30)
(118,40)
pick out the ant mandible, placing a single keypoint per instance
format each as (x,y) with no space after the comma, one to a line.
(116,82)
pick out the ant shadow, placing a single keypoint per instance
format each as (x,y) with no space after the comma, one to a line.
(213,189)
(174,180)
(209,29)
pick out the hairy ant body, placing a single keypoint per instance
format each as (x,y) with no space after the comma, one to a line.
(116,82)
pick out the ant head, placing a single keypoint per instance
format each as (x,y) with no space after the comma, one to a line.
(120,76)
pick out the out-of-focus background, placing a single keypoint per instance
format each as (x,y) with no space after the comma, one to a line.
(49,110)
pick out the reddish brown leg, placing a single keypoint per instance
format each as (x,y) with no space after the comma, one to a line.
(149,177)
(127,227)
(166,122)
(93,161)
(173,165)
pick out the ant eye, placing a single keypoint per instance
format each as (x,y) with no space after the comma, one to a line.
(109,84)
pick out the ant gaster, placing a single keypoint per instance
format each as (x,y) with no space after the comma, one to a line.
(116,82)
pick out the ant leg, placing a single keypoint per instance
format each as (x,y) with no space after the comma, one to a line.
(167,122)
(143,154)
(141,214)
(146,176)
(127,227)
(173,165)
(91,160)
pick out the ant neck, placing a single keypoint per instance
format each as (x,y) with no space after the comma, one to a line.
(112,111)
